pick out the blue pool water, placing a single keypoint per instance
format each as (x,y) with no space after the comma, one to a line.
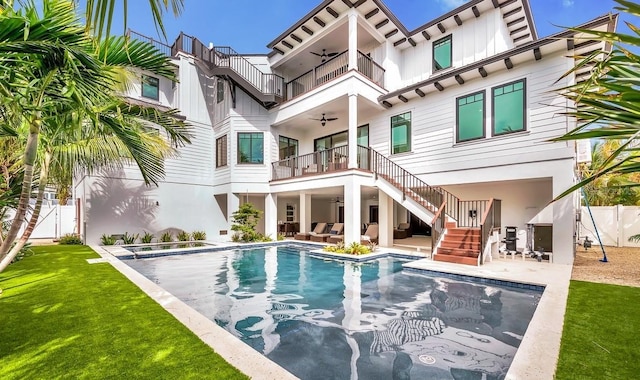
(327,319)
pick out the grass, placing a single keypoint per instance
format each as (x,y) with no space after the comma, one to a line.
(62,317)
(600,336)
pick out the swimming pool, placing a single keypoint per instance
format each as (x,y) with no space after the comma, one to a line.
(322,318)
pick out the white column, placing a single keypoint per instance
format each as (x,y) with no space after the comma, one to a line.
(352,206)
(271,215)
(385,219)
(233,203)
(353,131)
(564,216)
(305,212)
(353,39)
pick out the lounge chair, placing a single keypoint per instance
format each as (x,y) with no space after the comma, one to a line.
(320,227)
(370,235)
(322,238)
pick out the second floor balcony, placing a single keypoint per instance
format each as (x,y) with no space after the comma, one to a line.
(332,69)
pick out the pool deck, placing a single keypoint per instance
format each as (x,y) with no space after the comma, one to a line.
(536,357)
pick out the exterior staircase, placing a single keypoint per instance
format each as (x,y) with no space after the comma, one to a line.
(460,245)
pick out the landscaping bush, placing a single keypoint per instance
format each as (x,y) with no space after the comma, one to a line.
(166,237)
(184,236)
(354,248)
(245,221)
(107,240)
(199,235)
(147,238)
(129,239)
(70,239)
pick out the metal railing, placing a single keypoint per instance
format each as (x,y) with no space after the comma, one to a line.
(491,219)
(331,69)
(164,48)
(226,57)
(323,161)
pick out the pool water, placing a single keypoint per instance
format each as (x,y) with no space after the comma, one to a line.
(328,319)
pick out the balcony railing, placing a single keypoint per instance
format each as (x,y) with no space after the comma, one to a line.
(331,69)
(164,48)
(324,161)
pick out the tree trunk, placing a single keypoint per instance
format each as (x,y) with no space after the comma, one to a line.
(30,154)
(44,179)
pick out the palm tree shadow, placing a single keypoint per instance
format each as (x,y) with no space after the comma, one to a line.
(117,206)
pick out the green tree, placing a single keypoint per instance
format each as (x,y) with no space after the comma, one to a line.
(245,221)
(608,103)
(59,88)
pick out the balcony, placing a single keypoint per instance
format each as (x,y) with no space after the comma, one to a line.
(316,163)
(331,69)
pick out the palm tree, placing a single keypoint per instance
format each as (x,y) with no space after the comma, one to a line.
(608,103)
(58,87)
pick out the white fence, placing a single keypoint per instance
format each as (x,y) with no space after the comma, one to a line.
(54,221)
(615,224)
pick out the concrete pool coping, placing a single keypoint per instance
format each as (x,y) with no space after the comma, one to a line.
(536,358)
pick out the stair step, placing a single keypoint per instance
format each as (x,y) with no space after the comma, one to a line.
(470,245)
(458,252)
(450,225)
(463,238)
(456,259)
(464,231)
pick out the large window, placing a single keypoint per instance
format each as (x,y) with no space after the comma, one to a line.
(363,135)
(150,87)
(401,133)
(287,147)
(221,151)
(442,54)
(508,108)
(219,90)
(470,117)
(250,148)
(341,139)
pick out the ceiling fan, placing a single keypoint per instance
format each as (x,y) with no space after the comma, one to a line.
(324,54)
(324,120)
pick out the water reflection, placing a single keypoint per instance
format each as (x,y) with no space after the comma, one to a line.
(324,319)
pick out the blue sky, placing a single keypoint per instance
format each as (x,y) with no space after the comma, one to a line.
(249,25)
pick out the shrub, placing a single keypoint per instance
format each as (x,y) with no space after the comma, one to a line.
(184,236)
(199,235)
(166,237)
(129,239)
(147,238)
(354,248)
(70,239)
(245,221)
(107,240)
(280,237)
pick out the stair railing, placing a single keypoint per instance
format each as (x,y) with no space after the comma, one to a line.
(226,57)
(437,226)
(491,219)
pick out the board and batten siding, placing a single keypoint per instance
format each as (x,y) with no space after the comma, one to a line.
(474,40)
(434,147)
(198,92)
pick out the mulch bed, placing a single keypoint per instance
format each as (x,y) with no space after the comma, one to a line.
(623,267)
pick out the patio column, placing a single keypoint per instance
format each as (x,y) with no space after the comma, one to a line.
(564,214)
(385,219)
(305,212)
(233,203)
(353,39)
(353,131)
(352,211)
(271,215)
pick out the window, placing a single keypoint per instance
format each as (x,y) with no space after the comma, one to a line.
(287,147)
(150,87)
(219,90)
(341,139)
(442,54)
(508,108)
(221,151)
(250,148)
(401,133)
(363,135)
(470,117)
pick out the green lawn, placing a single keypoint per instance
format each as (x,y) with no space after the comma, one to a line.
(601,333)
(63,317)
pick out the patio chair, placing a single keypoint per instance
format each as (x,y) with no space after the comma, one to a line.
(320,227)
(402,232)
(335,230)
(370,235)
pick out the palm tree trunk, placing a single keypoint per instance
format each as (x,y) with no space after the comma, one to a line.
(30,155)
(33,220)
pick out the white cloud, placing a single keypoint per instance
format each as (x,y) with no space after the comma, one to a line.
(450,4)
(567,3)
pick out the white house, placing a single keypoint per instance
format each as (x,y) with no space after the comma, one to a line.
(353,118)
